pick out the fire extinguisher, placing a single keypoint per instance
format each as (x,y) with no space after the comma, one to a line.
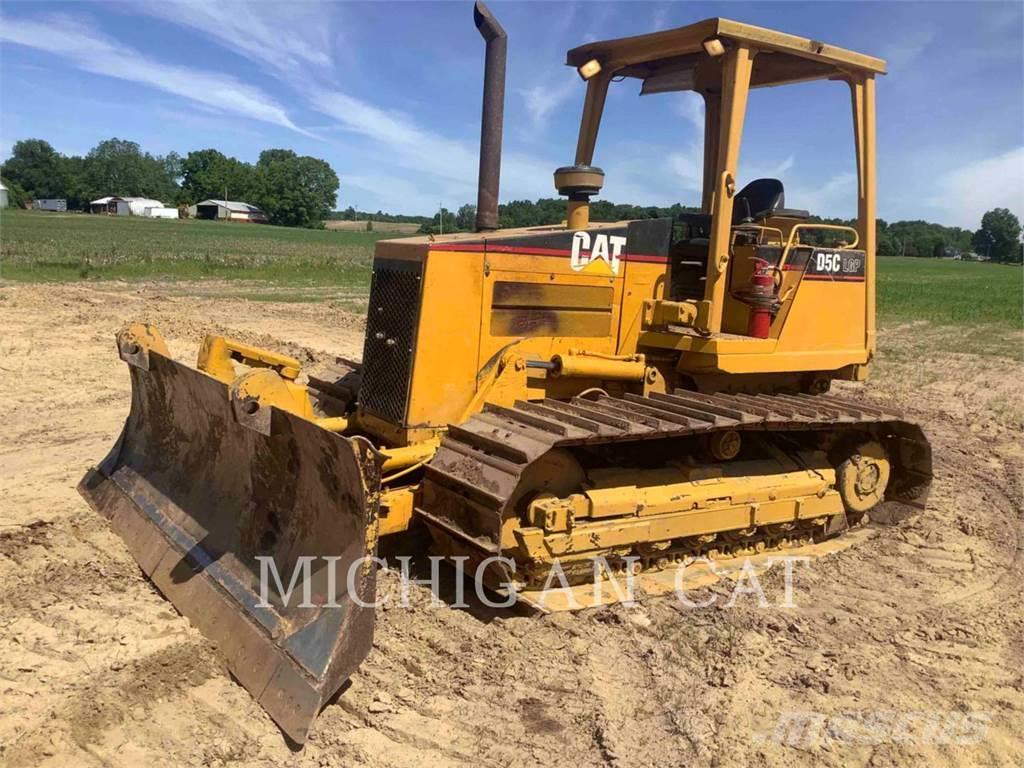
(761,297)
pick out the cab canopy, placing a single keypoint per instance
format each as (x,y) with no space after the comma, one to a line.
(721,60)
(670,59)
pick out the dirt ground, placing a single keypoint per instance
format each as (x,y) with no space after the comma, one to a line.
(920,619)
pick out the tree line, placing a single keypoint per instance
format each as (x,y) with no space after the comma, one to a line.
(351,214)
(292,190)
(997,238)
(301,191)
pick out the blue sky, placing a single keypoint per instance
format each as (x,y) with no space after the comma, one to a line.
(389,94)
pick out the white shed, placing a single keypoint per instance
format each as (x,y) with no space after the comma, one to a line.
(160,213)
(3,195)
(137,205)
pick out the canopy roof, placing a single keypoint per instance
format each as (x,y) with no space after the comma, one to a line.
(782,58)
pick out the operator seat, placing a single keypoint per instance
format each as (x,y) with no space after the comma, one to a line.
(761,199)
(758,201)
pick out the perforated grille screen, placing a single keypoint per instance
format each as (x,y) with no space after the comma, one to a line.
(390,338)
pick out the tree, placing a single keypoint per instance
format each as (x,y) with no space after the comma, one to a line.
(77,191)
(120,167)
(465,218)
(208,174)
(443,222)
(171,165)
(295,191)
(36,167)
(268,156)
(999,236)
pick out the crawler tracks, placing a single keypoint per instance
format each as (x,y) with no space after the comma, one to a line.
(485,467)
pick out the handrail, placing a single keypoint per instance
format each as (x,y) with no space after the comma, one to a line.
(794,238)
(761,231)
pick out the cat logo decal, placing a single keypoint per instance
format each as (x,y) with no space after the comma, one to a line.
(588,250)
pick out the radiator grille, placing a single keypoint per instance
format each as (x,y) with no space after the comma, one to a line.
(390,338)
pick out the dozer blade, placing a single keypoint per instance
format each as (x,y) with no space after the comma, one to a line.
(197,496)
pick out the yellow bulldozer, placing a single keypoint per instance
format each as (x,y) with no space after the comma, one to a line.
(637,392)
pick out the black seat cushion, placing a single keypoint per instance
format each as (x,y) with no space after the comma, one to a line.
(758,200)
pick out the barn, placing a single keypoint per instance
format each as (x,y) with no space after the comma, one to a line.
(115,205)
(228,210)
(104,205)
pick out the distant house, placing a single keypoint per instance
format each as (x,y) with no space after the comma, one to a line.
(3,195)
(115,205)
(228,210)
(51,204)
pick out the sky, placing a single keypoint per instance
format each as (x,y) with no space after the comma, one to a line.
(389,94)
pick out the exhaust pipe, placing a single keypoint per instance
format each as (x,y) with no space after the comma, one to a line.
(492,117)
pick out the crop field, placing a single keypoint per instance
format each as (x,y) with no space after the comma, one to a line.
(955,293)
(48,247)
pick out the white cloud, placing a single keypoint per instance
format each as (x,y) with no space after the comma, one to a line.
(450,164)
(287,38)
(279,44)
(912,43)
(90,51)
(690,106)
(412,145)
(542,100)
(401,193)
(760,171)
(784,166)
(964,194)
(660,19)
(837,197)
(688,166)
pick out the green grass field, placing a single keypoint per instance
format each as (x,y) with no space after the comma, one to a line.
(42,246)
(58,247)
(951,293)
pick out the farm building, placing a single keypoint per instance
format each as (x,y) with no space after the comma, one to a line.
(124,206)
(160,213)
(3,195)
(104,205)
(230,210)
(50,204)
(137,205)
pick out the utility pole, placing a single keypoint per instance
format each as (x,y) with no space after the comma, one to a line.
(440,218)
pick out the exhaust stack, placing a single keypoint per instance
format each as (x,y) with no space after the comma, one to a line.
(492,117)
